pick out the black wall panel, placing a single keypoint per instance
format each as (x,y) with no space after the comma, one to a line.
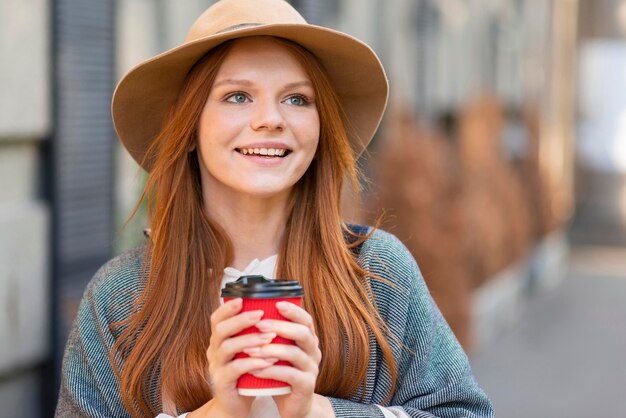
(82,152)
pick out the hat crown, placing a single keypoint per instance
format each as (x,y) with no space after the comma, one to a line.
(227,15)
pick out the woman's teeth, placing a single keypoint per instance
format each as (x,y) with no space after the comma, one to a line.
(268,152)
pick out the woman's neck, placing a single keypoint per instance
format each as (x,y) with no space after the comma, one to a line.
(255,226)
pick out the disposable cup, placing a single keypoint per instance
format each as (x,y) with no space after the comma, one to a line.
(260,293)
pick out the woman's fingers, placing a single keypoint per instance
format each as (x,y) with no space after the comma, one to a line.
(224,371)
(296,314)
(299,333)
(226,322)
(301,382)
(228,309)
(305,355)
(229,373)
(234,345)
(226,326)
(290,353)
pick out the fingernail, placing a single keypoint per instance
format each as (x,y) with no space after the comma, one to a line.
(268,361)
(267,336)
(255,314)
(283,306)
(264,326)
(252,350)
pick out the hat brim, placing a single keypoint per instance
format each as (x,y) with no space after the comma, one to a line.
(146,93)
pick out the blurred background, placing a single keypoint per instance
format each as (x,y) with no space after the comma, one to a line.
(501,163)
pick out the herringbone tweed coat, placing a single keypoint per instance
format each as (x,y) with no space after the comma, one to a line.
(434,376)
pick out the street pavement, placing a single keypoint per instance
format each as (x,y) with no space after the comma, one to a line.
(600,208)
(566,355)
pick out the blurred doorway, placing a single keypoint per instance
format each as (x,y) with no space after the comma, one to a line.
(601,146)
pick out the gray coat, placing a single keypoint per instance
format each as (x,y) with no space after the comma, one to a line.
(434,376)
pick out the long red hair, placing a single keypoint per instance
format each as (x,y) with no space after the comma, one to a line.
(161,346)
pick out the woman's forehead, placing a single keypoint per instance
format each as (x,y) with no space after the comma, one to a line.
(260,52)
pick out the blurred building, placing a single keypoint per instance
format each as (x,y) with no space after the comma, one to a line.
(66,187)
(57,174)
(25,212)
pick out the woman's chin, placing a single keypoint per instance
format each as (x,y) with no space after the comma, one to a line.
(262,191)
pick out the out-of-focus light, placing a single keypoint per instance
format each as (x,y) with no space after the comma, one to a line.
(454,13)
(621,16)
(602,141)
(622,204)
(619,143)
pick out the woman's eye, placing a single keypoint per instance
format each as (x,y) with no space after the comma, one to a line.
(237,98)
(297,100)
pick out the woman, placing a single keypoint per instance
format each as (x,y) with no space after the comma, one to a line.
(247,131)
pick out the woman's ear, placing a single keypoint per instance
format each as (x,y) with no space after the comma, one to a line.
(192,146)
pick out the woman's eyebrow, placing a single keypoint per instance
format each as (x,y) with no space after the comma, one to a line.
(233,81)
(243,82)
(303,83)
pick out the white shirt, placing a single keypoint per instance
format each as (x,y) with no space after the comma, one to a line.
(264,406)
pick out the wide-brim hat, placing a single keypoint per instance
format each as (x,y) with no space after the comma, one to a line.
(144,96)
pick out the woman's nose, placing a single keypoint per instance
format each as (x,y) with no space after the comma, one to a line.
(268,116)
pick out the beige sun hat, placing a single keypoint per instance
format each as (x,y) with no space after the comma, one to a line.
(145,94)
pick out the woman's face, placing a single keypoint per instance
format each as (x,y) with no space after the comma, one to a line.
(259,128)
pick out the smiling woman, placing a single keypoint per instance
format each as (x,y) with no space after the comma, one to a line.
(262,100)
(248,131)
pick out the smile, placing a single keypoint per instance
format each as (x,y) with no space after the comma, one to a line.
(264,152)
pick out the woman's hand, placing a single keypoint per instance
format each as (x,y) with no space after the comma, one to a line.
(304,357)
(224,370)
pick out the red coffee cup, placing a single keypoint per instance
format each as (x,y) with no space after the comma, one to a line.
(260,293)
